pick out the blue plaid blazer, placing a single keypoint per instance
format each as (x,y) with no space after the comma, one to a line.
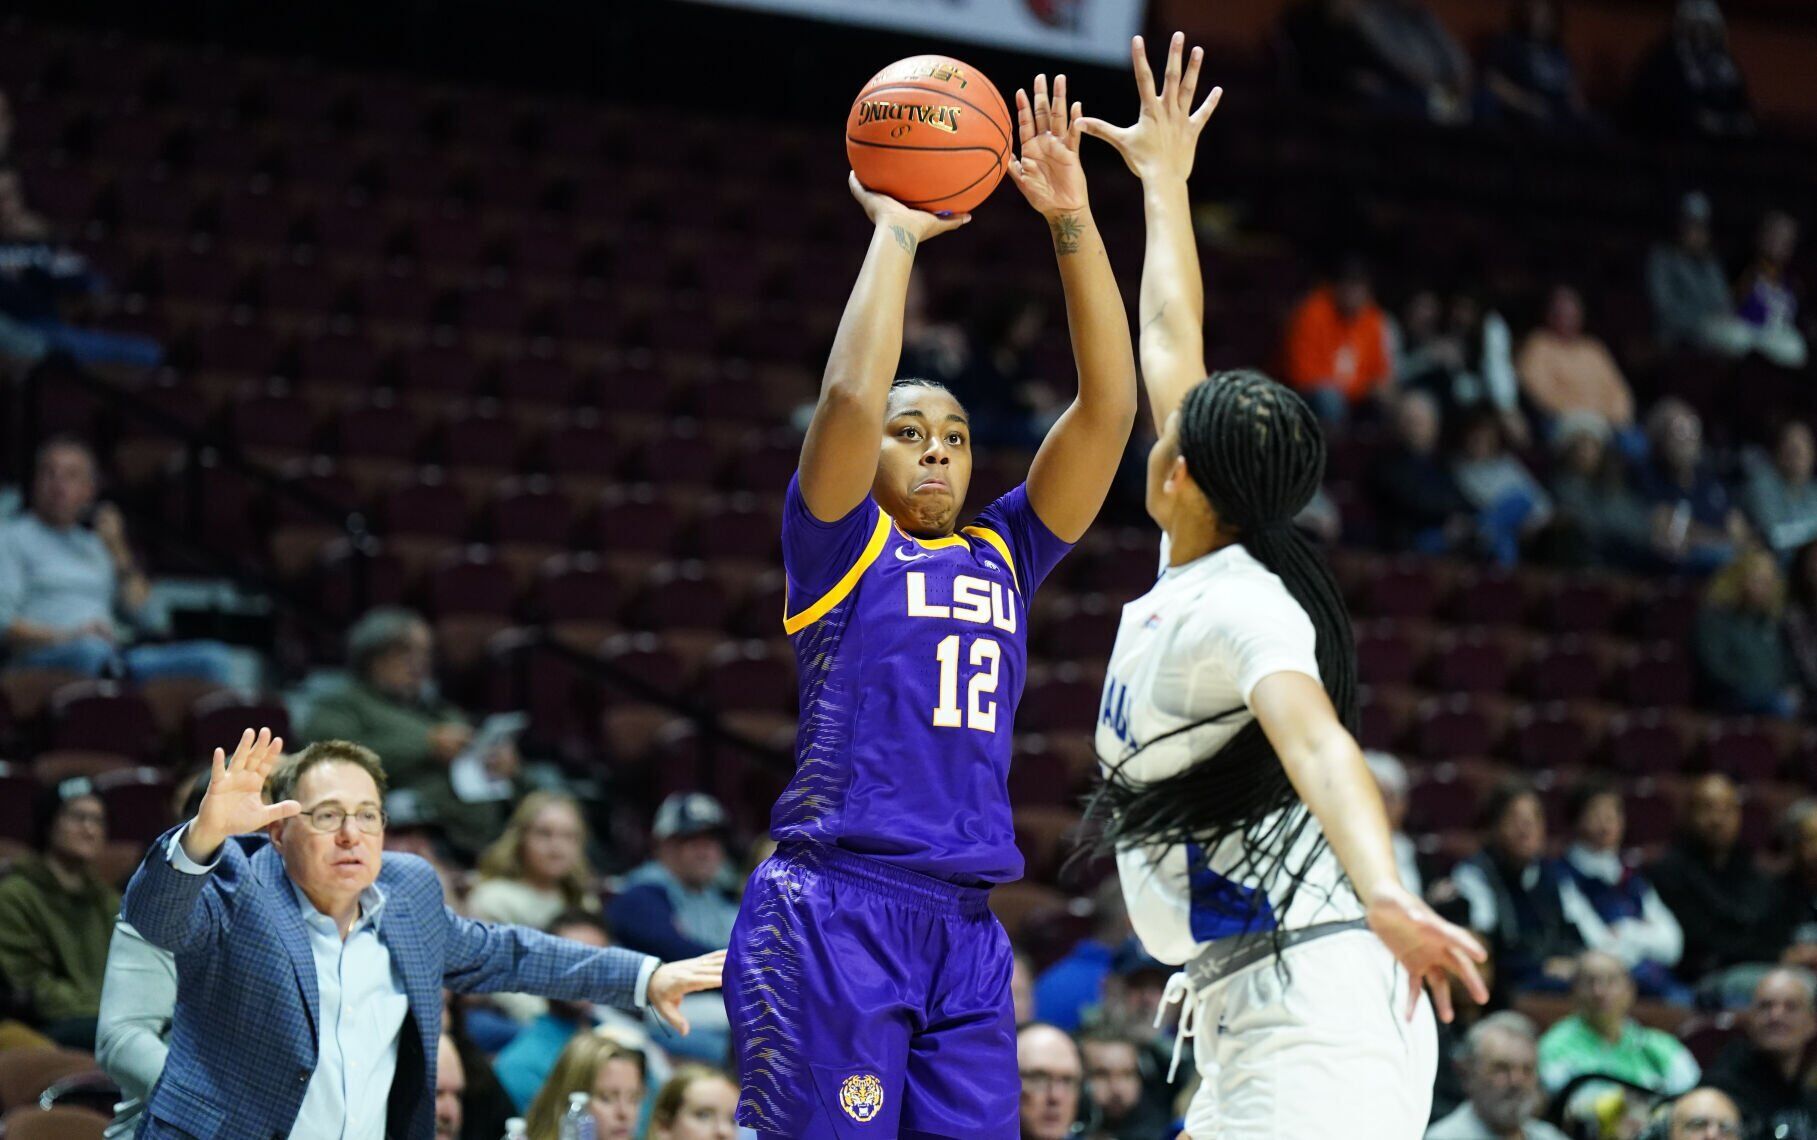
(244,1036)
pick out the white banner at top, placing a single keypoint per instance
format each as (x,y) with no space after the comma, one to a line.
(1094,30)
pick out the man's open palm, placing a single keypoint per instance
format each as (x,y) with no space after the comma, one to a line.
(235,803)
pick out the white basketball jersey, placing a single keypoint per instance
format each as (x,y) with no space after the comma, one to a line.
(1194,646)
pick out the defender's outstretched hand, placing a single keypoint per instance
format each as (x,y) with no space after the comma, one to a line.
(1048,171)
(1429,948)
(1162,141)
(235,803)
(911,226)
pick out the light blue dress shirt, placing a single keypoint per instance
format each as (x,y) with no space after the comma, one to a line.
(362,1011)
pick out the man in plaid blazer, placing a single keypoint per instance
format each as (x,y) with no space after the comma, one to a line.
(310,971)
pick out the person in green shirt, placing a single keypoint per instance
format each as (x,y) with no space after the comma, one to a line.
(1601,1038)
(56,916)
(389,703)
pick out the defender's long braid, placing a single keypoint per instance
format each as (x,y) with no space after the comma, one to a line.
(1256,450)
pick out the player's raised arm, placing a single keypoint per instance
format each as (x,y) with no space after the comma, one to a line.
(1073,470)
(1327,769)
(1159,149)
(839,458)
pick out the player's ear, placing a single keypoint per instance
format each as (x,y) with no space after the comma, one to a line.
(1177,475)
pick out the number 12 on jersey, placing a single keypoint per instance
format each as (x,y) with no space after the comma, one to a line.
(978,713)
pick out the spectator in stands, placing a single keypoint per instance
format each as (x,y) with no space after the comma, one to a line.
(1415,65)
(1461,352)
(1319,40)
(1690,83)
(1051,1076)
(1712,885)
(1701,1114)
(696,1103)
(450,1087)
(1511,505)
(1500,1067)
(1527,75)
(1767,296)
(1514,895)
(1337,351)
(56,916)
(538,868)
(1692,305)
(485,1105)
(37,277)
(1391,777)
(1022,987)
(1766,1071)
(1602,1038)
(676,901)
(389,703)
(66,572)
(1565,369)
(1741,654)
(1699,521)
(1793,915)
(1075,983)
(139,993)
(1126,1102)
(1781,497)
(608,1072)
(680,898)
(1801,622)
(1600,520)
(1615,909)
(1418,501)
(524,1063)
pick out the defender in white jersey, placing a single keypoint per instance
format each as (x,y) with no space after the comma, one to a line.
(1251,841)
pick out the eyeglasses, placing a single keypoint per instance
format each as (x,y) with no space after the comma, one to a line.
(328,817)
(1042,1082)
(1707,1126)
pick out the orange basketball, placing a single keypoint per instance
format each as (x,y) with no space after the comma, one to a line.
(931,133)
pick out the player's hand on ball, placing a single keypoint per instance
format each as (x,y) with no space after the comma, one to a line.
(1048,171)
(1428,947)
(910,226)
(1161,142)
(673,981)
(235,803)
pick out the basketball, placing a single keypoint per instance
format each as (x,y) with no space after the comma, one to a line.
(930,132)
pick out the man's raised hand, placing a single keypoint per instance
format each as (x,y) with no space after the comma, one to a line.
(235,803)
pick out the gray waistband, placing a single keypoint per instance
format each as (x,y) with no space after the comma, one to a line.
(1228,955)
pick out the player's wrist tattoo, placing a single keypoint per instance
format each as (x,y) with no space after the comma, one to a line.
(1068,233)
(904,239)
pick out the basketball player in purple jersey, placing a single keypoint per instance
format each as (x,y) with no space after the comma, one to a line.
(867,982)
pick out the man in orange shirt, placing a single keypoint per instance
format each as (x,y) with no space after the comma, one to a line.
(1337,345)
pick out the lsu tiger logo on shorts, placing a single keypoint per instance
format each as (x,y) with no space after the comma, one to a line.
(861,1097)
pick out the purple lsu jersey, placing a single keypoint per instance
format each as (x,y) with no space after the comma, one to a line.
(912,655)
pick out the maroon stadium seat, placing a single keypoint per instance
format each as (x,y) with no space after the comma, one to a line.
(530,511)
(1645,744)
(679,595)
(1469,664)
(467,583)
(1742,750)
(219,718)
(1565,670)
(747,676)
(18,794)
(1446,728)
(138,803)
(103,716)
(424,506)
